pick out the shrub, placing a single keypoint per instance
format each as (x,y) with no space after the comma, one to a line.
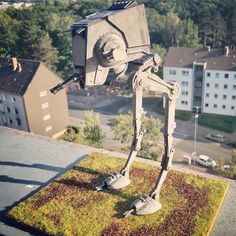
(92,131)
(230,171)
(123,131)
(70,134)
(222,123)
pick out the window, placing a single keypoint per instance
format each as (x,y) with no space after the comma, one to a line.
(216,96)
(233,97)
(226,76)
(207,95)
(208,74)
(8,109)
(206,104)
(18,122)
(232,107)
(225,86)
(47,117)
(0,101)
(208,85)
(185,83)
(13,99)
(48,128)
(217,75)
(185,72)
(224,96)
(172,72)
(216,86)
(45,105)
(234,76)
(234,87)
(184,92)
(223,106)
(4,97)
(215,105)
(16,111)
(43,93)
(10,121)
(184,102)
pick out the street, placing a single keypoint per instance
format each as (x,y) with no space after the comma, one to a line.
(110,106)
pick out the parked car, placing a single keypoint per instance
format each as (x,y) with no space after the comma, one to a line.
(233,145)
(205,161)
(216,137)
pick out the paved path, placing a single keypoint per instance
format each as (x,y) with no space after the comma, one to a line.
(28,162)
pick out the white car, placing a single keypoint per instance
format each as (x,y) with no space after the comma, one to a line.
(216,137)
(205,161)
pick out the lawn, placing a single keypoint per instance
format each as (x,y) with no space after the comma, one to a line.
(222,123)
(71,206)
(179,115)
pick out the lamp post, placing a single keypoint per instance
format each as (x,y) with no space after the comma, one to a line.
(195,137)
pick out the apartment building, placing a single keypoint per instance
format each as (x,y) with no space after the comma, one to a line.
(207,78)
(15,5)
(25,100)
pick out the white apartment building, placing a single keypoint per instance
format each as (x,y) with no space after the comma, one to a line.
(207,78)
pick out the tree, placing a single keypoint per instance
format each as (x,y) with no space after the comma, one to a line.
(171,30)
(92,131)
(88,7)
(187,34)
(160,50)
(123,131)
(156,25)
(8,34)
(34,43)
(61,40)
(232,27)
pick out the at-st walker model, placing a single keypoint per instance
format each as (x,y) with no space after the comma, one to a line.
(107,42)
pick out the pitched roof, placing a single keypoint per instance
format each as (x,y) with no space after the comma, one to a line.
(215,59)
(16,82)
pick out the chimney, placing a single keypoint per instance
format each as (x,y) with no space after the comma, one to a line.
(226,51)
(14,63)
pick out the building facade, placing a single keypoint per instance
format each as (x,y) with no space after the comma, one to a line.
(25,100)
(207,78)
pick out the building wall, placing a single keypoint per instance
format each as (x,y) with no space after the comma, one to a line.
(47,113)
(219,92)
(12,111)
(184,77)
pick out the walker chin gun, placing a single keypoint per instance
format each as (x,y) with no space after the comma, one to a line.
(71,79)
(106,42)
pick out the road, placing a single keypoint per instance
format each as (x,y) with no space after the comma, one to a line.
(109,106)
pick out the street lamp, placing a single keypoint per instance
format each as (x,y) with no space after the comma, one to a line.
(195,137)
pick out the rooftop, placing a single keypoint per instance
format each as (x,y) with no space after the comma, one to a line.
(184,57)
(16,80)
(25,168)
